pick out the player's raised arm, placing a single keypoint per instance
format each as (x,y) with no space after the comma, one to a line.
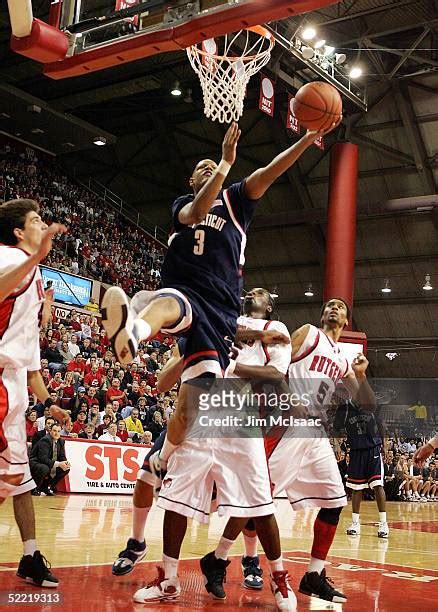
(357,383)
(207,180)
(259,181)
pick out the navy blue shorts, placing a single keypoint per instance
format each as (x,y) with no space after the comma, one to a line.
(209,336)
(158,445)
(365,469)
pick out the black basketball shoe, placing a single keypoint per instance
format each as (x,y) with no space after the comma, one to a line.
(36,569)
(215,571)
(133,553)
(318,585)
(252,573)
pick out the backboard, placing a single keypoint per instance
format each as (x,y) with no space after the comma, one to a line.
(88,35)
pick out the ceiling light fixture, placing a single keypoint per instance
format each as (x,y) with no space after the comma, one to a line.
(308,33)
(391,356)
(340,58)
(355,72)
(188,97)
(99,141)
(309,292)
(307,52)
(386,288)
(328,50)
(319,43)
(427,284)
(274,295)
(176,90)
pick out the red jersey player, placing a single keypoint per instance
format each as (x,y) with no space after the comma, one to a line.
(25,240)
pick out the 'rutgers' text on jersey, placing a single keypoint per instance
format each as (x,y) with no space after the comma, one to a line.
(20,315)
(208,257)
(317,368)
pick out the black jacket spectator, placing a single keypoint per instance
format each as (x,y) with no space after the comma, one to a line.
(52,355)
(42,461)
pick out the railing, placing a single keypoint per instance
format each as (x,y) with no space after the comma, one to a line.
(125,209)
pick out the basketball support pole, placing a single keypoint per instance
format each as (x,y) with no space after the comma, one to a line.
(341,230)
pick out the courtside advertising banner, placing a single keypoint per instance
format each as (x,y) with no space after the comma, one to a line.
(102,467)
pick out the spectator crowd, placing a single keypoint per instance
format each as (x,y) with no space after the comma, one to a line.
(100,242)
(105,400)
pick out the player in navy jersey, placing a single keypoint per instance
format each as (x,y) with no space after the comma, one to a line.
(201,274)
(365,469)
(202,283)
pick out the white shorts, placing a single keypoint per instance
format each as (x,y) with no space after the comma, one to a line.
(14,459)
(306,470)
(237,466)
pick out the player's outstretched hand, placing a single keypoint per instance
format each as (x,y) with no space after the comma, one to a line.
(271,336)
(314,134)
(46,242)
(359,365)
(229,144)
(423,453)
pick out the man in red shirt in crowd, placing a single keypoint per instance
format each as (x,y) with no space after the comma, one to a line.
(46,376)
(80,423)
(77,365)
(91,397)
(103,340)
(93,377)
(134,373)
(115,393)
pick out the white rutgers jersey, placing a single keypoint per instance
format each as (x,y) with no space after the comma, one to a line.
(20,315)
(317,368)
(256,353)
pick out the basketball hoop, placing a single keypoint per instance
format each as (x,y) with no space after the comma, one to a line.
(224,72)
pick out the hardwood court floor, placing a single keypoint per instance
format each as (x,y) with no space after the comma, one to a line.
(82,534)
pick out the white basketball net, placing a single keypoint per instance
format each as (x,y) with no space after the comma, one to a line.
(224,73)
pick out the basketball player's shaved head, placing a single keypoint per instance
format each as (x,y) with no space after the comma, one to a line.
(258,303)
(202,172)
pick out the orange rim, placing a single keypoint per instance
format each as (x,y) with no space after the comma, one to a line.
(260,30)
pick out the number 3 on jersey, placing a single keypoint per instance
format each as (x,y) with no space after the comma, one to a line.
(198,249)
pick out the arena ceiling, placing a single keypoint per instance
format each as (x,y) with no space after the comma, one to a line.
(158,139)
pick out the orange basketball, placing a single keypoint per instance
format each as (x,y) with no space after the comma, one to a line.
(317,106)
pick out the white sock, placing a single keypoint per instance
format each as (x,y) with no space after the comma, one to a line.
(139,516)
(276,565)
(382,517)
(29,547)
(316,565)
(355,517)
(167,449)
(143,329)
(170,567)
(223,548)
(250,546)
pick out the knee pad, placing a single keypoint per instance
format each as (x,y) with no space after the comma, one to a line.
(330,515)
